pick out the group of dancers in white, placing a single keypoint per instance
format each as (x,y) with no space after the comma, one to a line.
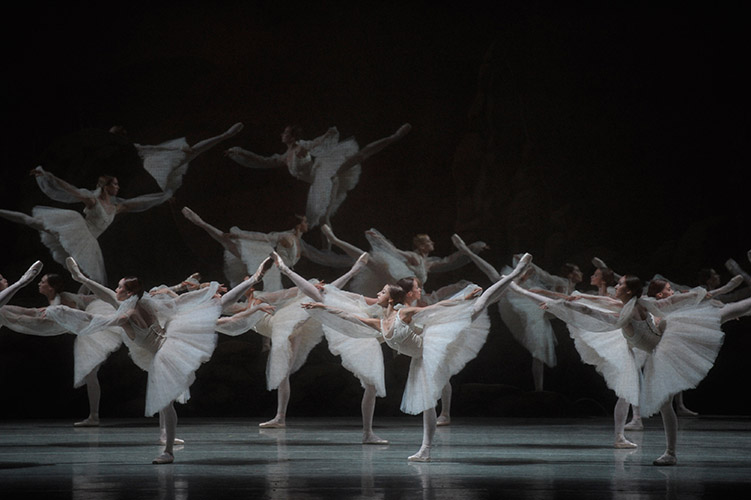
(648,349)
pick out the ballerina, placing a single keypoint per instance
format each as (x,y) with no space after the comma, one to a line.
(8,291)
(388,264)
(330,166)
(69,234)
(244,250)
(89,352)
(169,337)
(293,334)
(361,356)
(682,334)
(454,331)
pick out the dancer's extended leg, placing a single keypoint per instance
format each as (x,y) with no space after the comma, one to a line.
(209,143)
(481,263)
(368,408)
(373,148)
(282,400)
(348,248)
(31,273)
(234,294)
(445,416)
(735,310)
(217,234)
(494,293)
(428,431)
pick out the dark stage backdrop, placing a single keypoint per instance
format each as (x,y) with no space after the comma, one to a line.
(566,132)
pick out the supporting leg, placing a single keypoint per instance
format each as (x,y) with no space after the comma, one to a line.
(445,417)
(428,431)
(680,407)
(670,421)
(168,415)
(94,392)
(368,408)
(282,400)
(619,420)
(635,424)
(538,372)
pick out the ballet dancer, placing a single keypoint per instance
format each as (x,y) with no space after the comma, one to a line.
(454,331)
(330,166)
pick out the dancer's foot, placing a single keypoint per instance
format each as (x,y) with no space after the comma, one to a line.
(634,425)
(443,420)
(667,458)
(599,263)
(265,266)
(75,271)
(362,261)
(459,243)
(403,130)
(177,441)
(623,444)
(164,458)
(31,273)
(423,455)
(370,438)
(327,232)
(276,423)
(88,422)
(682,411)
(192,216)
(234,130)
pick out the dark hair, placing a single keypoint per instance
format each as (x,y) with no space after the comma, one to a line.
(295,131)
(105,180)
(133,285)
(634,285)
(406,284)
(655,286)
(396,293)
(567,269)
(608,276)
(56,282)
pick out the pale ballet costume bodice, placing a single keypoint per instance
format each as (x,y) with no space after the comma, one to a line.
(300,167)
(402,338)
(98,218)
(150,338)
(643,334)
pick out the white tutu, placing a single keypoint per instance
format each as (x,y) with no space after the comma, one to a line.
(687,351)
(363,357)
(449,341)
(68,234)
(328,190)
(166,162)
(92,350)
(289,325)
(529,326)
(252,253)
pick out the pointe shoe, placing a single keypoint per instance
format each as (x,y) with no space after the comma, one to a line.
(177,441)
(666,458)
(525,260)
(624,444)
(363,259)
(458,242)
(327,232)
(234,129)
(373,439)
(634,425)
(441,421)
(685,412)
(32,272)
(191,215)
(423,455)
(403,130)
(87,422)
(164,458)
(272,424)
(599,263)
(75,271)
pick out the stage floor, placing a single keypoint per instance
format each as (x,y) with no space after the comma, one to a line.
(316,458)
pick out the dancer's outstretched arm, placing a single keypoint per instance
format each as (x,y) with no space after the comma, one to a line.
(97,289)
(251,160)
(31,273)
(60,190)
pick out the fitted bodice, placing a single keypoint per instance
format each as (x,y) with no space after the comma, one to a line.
(98,219)
(300,167)
(150,338)
(402,338)
(643,334)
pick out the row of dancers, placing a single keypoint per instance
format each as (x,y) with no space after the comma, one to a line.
(170,331)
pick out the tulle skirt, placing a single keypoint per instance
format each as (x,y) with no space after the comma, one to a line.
(529,325)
